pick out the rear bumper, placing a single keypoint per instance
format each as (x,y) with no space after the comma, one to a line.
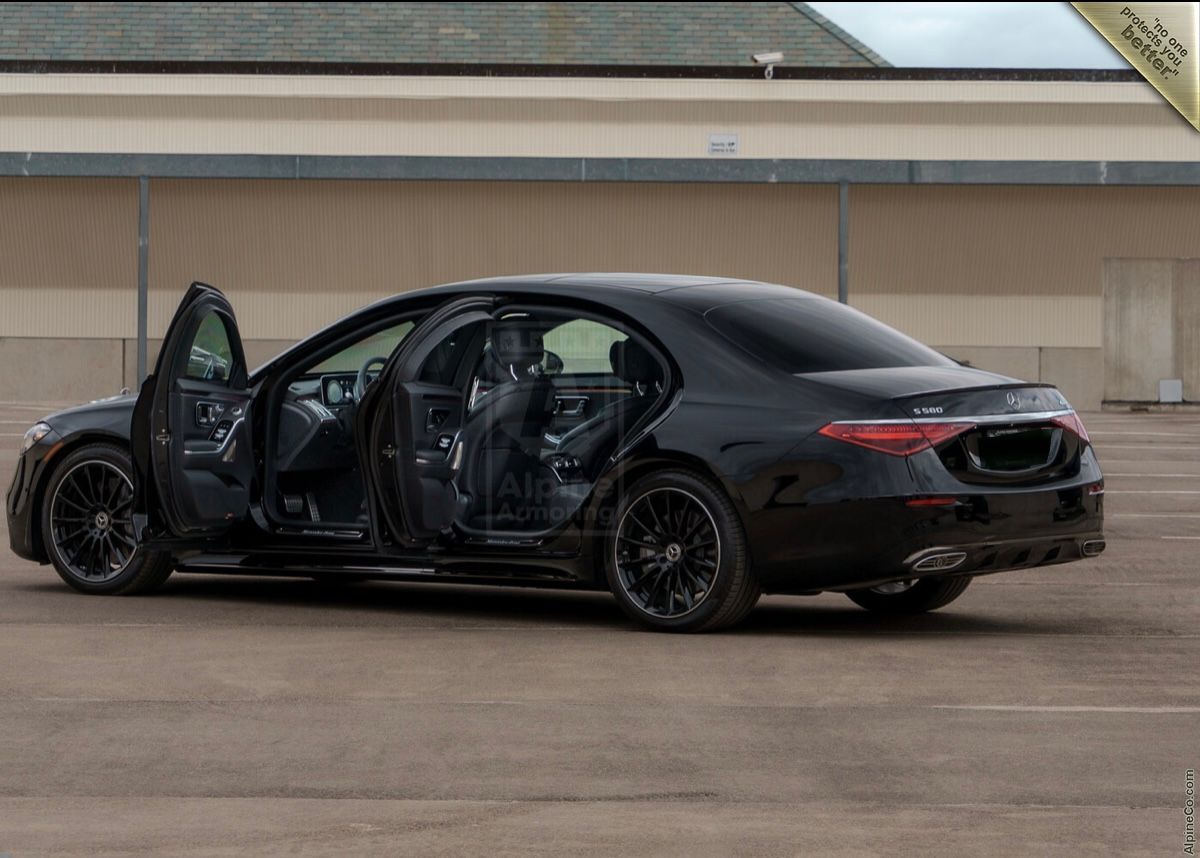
(863,543)
(985,558)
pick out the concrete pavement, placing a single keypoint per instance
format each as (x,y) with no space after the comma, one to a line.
(1052,711)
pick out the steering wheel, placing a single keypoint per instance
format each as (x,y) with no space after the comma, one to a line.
(361,383)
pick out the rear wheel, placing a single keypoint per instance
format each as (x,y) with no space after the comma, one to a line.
(910,597)
(87,525)
(677,558)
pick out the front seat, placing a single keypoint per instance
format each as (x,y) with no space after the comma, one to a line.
(594,440)
(502,433)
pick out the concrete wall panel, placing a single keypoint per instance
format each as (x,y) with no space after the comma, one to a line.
(1150,326)
(1187,326)
(1078,373)
(1019,363)
(44,369)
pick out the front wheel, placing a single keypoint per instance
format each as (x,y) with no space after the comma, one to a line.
(677,558)
(87,525)
(910,597)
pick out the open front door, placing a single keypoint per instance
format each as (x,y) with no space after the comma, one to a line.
(193,459)
(409,422)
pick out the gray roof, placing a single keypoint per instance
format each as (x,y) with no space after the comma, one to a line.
(649,34)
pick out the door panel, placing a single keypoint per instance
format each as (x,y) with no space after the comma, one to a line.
(580,397)
(428,419)
(408,425)
(193,462)
(210,469)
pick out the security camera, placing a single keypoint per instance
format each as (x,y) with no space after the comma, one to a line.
(769,60)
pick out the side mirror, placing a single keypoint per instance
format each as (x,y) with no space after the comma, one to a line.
(552,363)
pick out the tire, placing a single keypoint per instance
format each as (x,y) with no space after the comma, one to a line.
(677,558)
(103,473)
(928,594)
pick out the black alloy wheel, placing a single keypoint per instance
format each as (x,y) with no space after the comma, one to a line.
(91,521)
(87,525)
(668,552)
(677,555)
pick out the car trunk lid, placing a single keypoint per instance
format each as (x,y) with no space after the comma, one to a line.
(1009,432)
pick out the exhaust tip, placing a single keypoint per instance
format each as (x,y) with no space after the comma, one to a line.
(941,562)
(1093,547)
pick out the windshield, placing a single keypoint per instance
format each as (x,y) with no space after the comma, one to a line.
(809,334)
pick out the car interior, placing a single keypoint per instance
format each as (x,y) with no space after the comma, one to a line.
(513,415)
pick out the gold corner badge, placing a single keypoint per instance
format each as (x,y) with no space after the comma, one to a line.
(1161,41)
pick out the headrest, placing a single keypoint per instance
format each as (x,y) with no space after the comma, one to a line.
(633,363)
(517,346)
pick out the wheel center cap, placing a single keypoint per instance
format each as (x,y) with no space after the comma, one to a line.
(102,520)
(674,552)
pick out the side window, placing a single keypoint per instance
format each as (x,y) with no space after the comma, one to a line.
(583,346)
(211,358)
(350,359)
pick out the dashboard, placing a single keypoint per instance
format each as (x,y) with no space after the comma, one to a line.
(333,390)
(338,390)
(316,423)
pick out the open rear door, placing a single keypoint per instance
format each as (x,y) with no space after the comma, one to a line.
(409,420)
(193,459)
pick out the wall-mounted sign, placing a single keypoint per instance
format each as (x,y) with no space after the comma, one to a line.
(722,144)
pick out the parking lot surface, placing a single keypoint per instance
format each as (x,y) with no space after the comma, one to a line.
(1050,711)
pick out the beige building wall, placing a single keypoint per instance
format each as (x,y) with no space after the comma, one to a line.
(1008,278)
(590,117)
(294,256)
(68,257)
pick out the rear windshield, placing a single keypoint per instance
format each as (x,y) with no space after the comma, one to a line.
(801,335)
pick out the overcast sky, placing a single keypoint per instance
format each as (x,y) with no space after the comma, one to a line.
(966,35)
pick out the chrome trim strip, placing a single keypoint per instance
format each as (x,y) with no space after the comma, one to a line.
(941,561)
(1015,417)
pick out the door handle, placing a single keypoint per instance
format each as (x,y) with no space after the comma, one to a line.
(579,403)
(208,413)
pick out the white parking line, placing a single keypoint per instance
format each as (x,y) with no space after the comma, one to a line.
(1145,434)
(1138,710)
(1179,537)
(1103,447)
(1152,491)
(1157,476)
(1152,515)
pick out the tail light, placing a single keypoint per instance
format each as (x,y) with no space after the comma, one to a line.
(1072,422)
(895,439)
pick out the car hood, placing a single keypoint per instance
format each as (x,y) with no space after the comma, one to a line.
(111,415)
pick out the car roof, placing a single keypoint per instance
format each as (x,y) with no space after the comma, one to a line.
(641,282)
(698,292)
(694,293)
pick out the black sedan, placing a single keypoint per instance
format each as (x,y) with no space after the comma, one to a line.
(686,443)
